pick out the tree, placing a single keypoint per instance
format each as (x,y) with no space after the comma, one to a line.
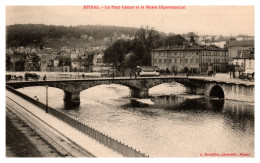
(115,53)
(192,37)
(145,40)
(174,40)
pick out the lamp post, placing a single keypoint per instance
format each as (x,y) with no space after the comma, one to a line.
(78,65)
(46,99)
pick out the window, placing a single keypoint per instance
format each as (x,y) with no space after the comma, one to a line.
(170,60)
(242,64)
(175,60)
(165,60)
(160,60)
(191,60)
(186,61)
(155,60)
(180,60)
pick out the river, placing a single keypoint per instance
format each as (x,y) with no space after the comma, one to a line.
(170,124)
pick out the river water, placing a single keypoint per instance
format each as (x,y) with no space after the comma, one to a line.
(170,124)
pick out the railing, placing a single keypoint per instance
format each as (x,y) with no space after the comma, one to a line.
(104,139)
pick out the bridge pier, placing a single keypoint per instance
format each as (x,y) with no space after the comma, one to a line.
(139,93)
(195,90)
(71,99)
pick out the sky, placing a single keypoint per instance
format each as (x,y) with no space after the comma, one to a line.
(212,20)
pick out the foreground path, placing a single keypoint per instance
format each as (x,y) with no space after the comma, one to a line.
(23,141)
(66,140)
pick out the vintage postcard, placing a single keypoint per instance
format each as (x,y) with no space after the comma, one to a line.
(130,81)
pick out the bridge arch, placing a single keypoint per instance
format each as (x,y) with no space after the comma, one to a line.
(217,91)
(116,88)
(171,87)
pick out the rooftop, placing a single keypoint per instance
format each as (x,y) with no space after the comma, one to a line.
(188,48)
(241,43)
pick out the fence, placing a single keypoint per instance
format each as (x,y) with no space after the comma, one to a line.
(104,139)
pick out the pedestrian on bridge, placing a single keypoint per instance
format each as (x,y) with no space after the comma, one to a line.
(44,77)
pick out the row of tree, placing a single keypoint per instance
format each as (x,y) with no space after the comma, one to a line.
(36,34)
(131,53)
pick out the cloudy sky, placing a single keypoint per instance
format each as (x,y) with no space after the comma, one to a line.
(223,20)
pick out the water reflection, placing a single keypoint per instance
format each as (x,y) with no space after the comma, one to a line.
(175,125)
(236,115)
(239,117)
(178,103)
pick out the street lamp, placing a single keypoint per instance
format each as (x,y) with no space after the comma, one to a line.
(78,65)
(46,99)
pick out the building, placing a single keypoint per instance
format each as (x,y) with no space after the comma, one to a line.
(194,58)
(32,62)
(74,56)
(44,61)
(98,62)
(215,57)
(244,62)
(65,49)
(98,59)
(238,48)
(220,44)
(244,37)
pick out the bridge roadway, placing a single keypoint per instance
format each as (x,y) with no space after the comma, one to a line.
(233,89)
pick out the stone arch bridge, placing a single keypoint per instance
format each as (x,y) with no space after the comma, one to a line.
(242,91)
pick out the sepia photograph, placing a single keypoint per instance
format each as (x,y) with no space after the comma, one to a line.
(150,81)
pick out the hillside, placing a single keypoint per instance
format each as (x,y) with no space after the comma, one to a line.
(56,36)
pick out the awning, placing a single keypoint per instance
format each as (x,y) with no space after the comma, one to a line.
(249,71)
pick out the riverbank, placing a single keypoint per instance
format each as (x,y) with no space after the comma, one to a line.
(61,136)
